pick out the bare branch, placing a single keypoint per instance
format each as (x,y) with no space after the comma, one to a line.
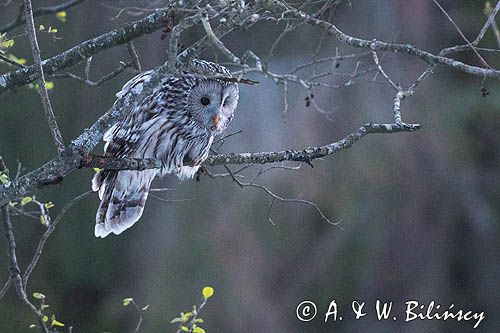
(284,11)
(471,45)
(311,153)
(121,68)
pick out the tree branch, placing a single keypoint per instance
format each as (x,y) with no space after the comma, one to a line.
(55,170)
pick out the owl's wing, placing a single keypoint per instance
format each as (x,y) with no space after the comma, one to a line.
(123,193)
(158,127)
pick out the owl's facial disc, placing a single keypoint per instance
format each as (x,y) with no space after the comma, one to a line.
(212,104)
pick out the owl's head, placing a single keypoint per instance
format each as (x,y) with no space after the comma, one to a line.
(212,101)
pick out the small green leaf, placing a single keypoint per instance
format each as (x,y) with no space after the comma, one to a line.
(97,169)
(184,328)
(198,320)
(198,330)
(176,320)
(127,301)
(45,319)
(44,220)
(6,43)
(38,295)
(208,292)
(20,61)
(26,200)
(4,179)
(61,16)
(41,27)
(54,322)
(48,205)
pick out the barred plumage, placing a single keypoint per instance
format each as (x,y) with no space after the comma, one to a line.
(177,122)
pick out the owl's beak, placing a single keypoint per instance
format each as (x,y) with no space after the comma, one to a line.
(216,119)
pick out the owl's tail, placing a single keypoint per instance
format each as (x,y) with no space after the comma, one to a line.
(123,195)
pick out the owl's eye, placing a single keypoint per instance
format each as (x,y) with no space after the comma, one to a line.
(205,100)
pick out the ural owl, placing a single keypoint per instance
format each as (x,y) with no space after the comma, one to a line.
(176,122)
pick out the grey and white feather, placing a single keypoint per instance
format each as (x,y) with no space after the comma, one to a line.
(175,123)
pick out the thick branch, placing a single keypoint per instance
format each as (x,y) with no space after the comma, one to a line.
(54,171)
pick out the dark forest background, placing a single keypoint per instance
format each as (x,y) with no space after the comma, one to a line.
(419,211)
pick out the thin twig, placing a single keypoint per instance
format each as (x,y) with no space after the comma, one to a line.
(46,235)
(471,45)
(134,56)
(121,68)
(38,12)
(42,89)
(217,42)
(15,272)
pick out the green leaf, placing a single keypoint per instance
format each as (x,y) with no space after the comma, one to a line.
(127,301)
(44,220)
(20,61)
(4,179)
(176,320)
(38,295)
(45,319)
(208,292)
(198,320)
(97,169)
(48,205)
(184,328)
(61,16)
(198,330)
(6,43)
(54,322)
(26,200)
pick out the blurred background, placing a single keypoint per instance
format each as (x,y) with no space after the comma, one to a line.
(418,212)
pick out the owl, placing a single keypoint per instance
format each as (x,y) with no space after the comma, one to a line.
(176,123)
